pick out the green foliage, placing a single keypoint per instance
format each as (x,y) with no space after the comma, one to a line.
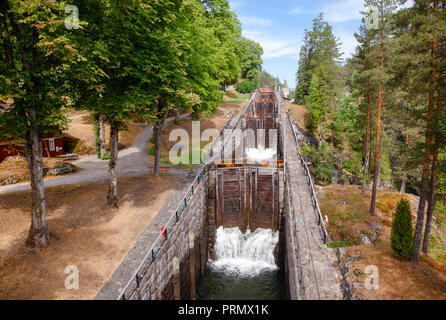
(315,101)
(37,61)
(440,215)
(97,140)
(250,58)
(353,164)
(338,244)
(152,152)
(323,160)
(264,79)
(105,156)
(319,57)
(402,231)
(305,150)
(386,171)
(246,86)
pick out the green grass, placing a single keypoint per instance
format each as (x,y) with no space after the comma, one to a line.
(185,166)
(152,152)
(344,215)
(241,99)
(338,244)
(437,248)
(232,94)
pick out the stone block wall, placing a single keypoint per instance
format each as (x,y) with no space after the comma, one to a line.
(186,240)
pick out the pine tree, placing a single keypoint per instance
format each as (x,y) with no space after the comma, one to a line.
(421,29)
(320,55)
(439,116)
(402,231)
(315,100)
(363,80)
(303,75)
(385,9)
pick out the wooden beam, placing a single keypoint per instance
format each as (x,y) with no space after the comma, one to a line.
(273,216)
(217,200)
(239,218)
(223,198)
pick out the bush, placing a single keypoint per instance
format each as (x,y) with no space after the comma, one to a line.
(97,144)
(440,215)
(105,156)
(313,120)
(324,161)
(402,232)
(246,86)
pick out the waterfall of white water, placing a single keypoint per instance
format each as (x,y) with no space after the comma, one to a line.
(260,153)
(245,255)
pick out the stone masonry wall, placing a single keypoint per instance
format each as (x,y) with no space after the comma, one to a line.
(156,277)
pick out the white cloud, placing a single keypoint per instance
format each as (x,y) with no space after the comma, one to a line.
(343,10)
(408,4)
(236,4)
(274,45)
(297,11)
(349,43)
(254,21)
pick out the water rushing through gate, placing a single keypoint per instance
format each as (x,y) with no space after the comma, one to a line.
(244,266)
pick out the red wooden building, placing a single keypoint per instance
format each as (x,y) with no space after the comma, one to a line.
(52,145)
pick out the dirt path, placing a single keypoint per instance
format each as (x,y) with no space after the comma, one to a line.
(131,162)
(84,233)
(398,279)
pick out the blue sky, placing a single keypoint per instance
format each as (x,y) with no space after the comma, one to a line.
(279,26)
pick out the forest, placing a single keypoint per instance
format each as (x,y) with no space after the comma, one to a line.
(379,118)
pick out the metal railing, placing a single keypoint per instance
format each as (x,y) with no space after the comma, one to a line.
(310,182)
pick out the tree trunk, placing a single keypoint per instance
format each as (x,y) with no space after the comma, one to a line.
(177,115)
(38,236)
(103,147)
(403,182)
(427,156)
(112,198)
(158,131)
(366,147)
(378,128)
(370,159)
(431,201)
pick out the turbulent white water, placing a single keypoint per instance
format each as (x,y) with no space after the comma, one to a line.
(245,255)
(260,153)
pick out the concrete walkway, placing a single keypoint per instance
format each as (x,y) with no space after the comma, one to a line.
(320,277)
(132,161)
